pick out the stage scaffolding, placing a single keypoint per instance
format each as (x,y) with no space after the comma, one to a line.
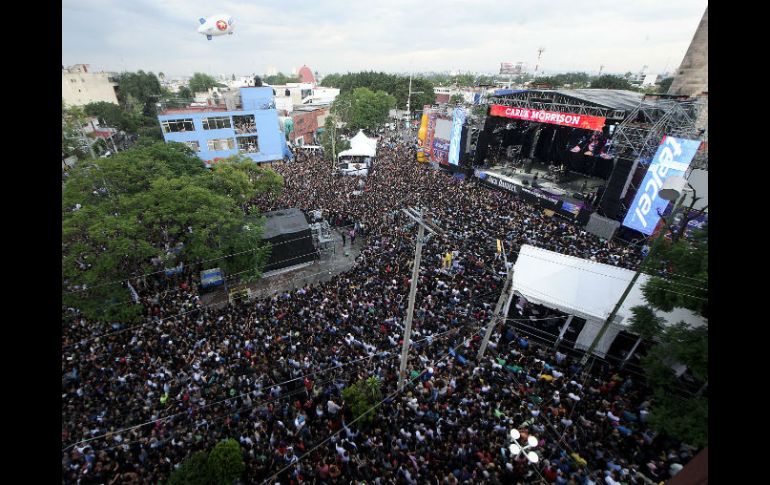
(638,137)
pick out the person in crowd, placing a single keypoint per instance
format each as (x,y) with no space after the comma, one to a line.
(271,372)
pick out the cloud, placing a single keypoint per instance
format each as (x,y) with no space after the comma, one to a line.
(399,35)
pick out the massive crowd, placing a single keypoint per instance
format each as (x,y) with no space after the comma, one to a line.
(136,401)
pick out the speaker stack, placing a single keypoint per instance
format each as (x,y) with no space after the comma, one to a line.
(610,199)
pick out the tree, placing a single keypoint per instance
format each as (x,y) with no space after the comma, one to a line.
(363,109)
(72,140)
(280,79)
(138,92)
(362,397)
(456,99)
(396,86)
(685,266)
(609,81)
(646,324)
(331,138)
(665,84)
(193,471)
(113,116)
(141,204)
(225,462)
(201,83)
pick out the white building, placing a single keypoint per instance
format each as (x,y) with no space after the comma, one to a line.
(80,87)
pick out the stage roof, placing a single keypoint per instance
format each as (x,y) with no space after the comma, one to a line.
(611,98)
(286,221)
(360,146)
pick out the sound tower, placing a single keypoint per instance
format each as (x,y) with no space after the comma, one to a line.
(482,144)
(610,201)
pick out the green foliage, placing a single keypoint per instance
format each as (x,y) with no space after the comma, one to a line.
(361,397)
(225,463)
(395,85)
(139,203)
(686,261)
(665,84)
(575,80)
(280,79)
(686,284)
(363,109)
(609,81)
(72,140)
(138,92)
(113,116)
(200,82)
(331,138)
(456,99)
(193,471)
(645,322)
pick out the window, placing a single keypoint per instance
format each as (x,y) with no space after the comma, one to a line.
(244,124)
(194,145)
(216,122)
(174,126)
(248,144)
(221,144)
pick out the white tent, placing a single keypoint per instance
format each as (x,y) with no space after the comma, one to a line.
(586,289)
(361,146)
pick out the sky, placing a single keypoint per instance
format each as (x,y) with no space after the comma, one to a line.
(391,36)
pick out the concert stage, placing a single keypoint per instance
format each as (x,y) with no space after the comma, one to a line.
(566,185)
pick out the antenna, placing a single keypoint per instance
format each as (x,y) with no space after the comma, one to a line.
(540,51)
(601,68)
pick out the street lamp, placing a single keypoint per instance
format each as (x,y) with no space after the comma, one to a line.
(516,449)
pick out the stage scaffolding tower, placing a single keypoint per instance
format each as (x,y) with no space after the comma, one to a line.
(638,137)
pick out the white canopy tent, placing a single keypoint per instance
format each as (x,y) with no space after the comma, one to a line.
(360,146)
(586,289)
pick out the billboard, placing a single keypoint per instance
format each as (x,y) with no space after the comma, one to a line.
(458,120)
(671,160)
(510,68)
(440,152)
(595,123)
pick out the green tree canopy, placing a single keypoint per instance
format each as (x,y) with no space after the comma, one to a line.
(609,81)
(362,397)
(138,92)
(119,213)
(280,79)
(395,85)
(363,109)
(193,471)
(201,83)
(72,140)
(456,99)
(331,132)
(225,463)
(113,116)
(665,84)
(675,411)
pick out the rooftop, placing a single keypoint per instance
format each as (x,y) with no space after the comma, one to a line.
(193,109)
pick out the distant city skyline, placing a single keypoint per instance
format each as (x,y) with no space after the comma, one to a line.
(396,37)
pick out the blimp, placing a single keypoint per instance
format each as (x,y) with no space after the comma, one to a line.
(216,25)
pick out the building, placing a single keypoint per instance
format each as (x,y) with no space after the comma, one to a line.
(298,94)
(80,87)
(692,77)
(306,120)
(306,75)
(246,122)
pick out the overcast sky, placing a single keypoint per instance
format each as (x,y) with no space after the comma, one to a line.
(387,35)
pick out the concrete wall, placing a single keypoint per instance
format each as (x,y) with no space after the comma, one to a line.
(692,76)
(81,88)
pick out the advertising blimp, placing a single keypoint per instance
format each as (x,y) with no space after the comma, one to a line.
(216,25)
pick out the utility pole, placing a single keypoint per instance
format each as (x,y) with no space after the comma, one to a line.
(416,216)
(638,273)
(540,51)
(503,303)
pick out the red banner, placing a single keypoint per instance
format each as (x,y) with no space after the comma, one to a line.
(595,123)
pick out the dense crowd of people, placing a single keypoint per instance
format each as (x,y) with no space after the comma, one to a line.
(136,401)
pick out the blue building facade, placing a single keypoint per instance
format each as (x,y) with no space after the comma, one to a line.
(215,133)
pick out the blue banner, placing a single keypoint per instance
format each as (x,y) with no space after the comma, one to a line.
(457,130)
(671,160)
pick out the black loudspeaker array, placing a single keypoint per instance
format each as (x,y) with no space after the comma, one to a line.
(610,202)
(482,144)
